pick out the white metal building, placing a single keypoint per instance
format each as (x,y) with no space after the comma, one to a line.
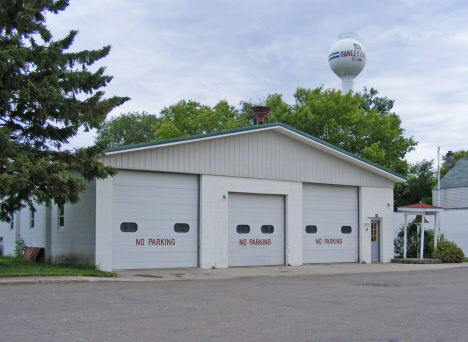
(262,195)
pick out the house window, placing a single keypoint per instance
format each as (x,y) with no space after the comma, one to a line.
(61,216)
(128,227)
(12,221)
(311,229)
(346,229)
(243,229)
(31,216)
(268,229)
(181,227)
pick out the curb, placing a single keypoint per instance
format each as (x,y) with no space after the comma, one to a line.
(23,281)
(156,275)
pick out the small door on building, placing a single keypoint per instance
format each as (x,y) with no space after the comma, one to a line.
(375,240)
(256,229)
(154,220)
(330,223)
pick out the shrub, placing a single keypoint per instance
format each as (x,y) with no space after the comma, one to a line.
(448,252)
(414,242)
(20,247)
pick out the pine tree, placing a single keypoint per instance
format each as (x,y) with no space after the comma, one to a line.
(46,95)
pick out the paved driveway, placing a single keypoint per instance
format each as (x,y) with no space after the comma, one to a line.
(423,305)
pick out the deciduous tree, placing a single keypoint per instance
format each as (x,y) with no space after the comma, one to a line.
(192,118)
(421,179)
(127,129)
(361,125)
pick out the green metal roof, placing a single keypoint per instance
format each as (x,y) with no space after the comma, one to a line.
(246,129)
(456,177)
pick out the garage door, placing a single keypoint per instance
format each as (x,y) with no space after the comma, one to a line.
(155,220)
(256,230)
(330,223)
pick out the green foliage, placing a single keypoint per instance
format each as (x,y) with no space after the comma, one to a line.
(20,247)
(46,94)
(187,118)
(449,252)
(127,129)
(371,101)
(413,246)
(353,123)
(421,179)
(456,155)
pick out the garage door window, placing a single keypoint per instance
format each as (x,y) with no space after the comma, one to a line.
(181,228)
(268,229)
(346,229)
(243,229)
(128,227)
(311,229)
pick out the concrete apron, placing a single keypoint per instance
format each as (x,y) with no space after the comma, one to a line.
(145,275)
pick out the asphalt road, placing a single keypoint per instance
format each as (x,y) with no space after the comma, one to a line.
(394,306)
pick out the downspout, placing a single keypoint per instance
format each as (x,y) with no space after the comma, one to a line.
(437,230)
(48,232)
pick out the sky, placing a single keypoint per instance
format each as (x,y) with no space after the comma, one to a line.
(212,50)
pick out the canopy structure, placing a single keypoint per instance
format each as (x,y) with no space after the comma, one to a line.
(423,210)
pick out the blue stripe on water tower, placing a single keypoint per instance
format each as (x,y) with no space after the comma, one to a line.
(333,55)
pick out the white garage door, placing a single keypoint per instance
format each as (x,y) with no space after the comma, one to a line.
(256,230)
(155,220)
(330,223)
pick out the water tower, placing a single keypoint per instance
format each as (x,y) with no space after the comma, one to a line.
(347,58)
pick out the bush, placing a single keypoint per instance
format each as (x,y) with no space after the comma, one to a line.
(414,242)
(448,252)
(20,247)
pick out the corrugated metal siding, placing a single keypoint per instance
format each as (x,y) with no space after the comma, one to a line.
(452,197)
(267,155)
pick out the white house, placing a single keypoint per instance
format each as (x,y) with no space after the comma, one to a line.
(262,195)
(454,199)
(453,186)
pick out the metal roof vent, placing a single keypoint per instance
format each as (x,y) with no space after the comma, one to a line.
(260,113)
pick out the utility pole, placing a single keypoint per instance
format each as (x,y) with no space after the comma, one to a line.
(437,230)
(438,176)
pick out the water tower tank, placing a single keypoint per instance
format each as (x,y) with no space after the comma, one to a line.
(347,58)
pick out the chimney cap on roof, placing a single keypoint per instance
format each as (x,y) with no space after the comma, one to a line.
(260,112)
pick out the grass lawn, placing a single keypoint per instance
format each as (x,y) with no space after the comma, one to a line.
(17,267)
